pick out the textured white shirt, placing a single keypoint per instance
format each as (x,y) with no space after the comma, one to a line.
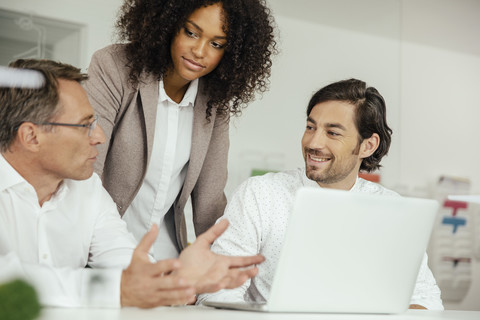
(258,213)
(49,246)
(166,171)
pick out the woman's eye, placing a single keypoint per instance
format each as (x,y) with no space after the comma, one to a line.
(217,45)
(189,33)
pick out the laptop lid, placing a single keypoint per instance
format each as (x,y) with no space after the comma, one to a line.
(351,252)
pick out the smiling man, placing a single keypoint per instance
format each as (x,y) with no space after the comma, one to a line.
(56,218)
(346,132)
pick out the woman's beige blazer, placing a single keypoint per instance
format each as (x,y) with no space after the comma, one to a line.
(127,116)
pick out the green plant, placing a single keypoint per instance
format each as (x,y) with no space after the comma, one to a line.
(18,301)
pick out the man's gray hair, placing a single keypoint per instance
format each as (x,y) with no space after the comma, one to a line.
(18,105)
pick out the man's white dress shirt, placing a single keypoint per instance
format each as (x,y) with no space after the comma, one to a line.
(50,245)
(258,213)
(166,171)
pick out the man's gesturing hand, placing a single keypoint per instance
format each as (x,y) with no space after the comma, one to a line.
(210,272)
(146,284)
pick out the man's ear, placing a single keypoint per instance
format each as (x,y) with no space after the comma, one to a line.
(369,145)
(27,136)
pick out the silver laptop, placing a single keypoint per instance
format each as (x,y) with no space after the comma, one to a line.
(348,252)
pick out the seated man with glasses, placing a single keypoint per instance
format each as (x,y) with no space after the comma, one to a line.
(56,218)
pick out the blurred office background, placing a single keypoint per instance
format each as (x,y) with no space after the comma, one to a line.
(422,55)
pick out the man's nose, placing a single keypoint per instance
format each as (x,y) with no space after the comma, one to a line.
(97,136)
(317,141)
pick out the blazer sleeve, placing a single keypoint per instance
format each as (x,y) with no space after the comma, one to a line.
(208,197)
(105,88)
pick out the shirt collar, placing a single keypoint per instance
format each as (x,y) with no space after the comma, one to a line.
(358,184)
(10,176)
(307,182)
(188,99)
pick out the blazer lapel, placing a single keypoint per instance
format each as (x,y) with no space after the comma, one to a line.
(149,97)
(201,135)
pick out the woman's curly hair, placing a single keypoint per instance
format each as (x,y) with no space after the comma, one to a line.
(149,26)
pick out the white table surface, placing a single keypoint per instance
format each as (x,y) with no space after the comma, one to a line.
(206,313)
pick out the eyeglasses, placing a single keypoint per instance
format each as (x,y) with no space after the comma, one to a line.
(91,126)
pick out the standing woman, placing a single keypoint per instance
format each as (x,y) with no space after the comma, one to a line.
(164,98)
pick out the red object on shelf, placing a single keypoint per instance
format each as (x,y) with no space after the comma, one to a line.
(455,205)
(374,177)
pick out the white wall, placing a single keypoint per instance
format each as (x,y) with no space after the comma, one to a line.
(440,109)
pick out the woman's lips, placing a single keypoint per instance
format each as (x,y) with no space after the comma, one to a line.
(191,64)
